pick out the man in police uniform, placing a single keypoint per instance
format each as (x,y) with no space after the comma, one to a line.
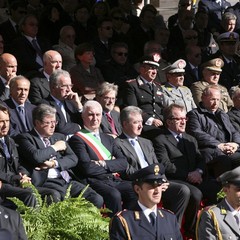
(144,92)
(173,90)
(222,221)
(211,71)
(146,221)
(227,43)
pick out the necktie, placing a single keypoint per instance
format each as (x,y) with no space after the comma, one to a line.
(180,143)
(236,216)
(111,122)
(64,174)
(61,105)
(5,149)
(195,72)
(152,217)
(37,48)
(139,152)
(22,115)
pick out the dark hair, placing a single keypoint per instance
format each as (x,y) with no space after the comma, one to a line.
(42,111)
(167,112)
(82,48)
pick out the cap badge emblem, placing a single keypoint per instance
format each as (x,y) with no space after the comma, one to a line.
(156,170)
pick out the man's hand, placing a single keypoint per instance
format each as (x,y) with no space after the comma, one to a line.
(157,122)
(228,148)
(72,96)
(59,146)
(46,165)
(24,178)
(194,177)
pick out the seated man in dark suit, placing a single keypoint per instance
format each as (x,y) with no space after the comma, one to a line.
(178,151)
(140,153)
(101,161)
(65,101)
(234,113)
(29,48)
(49,159)
(11,225)
(39,88)
(8,70)
(19,107)
(217,138)
(106,95)
(10,28)
(12,175)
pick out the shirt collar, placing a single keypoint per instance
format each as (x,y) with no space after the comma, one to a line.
(146,210)
(16,104)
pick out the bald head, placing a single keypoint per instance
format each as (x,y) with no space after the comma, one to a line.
(8,66)
(52,60)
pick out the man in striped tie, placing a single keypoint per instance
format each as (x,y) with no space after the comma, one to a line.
(49,158)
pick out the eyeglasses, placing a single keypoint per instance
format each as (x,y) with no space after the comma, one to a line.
(65,86)
(179,119)
(109,98)
(122,54)
(107,28)
(50,122)
(118,18)
(191,37)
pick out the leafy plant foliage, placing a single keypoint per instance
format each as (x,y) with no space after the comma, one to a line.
(71,219)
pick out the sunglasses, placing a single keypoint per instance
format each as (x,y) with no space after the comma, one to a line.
(118,18)
(121,54)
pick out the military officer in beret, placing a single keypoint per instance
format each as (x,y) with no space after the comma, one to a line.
(173,90)
(227,43)
(211,71)
(144,92)
(222,221)
(145,221)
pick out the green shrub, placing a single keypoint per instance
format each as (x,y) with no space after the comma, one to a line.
(71,219)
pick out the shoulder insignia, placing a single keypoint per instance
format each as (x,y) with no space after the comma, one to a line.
(131,80)
(140,81)
(157,83)
(120,213)
(167,210)
(160,212)
(137,216)
(223,211)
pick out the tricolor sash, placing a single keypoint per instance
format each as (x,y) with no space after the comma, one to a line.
(99,149)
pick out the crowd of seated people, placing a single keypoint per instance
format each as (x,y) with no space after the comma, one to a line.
(79,82)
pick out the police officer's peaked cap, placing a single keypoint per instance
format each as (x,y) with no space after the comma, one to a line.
(153,174)
(232,177)
(215,64)
(149,60)
(228,37)
(176,67)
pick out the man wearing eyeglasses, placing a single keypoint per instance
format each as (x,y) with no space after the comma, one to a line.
(65,101)
(179,153)
(48,158)
(173,90)
(211,71)
(217,138)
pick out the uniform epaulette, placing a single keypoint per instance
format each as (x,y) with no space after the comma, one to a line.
(120,213)
(157,83)
(131,80)
(167,210)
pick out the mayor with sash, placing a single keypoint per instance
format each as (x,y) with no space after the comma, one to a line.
(100,161)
